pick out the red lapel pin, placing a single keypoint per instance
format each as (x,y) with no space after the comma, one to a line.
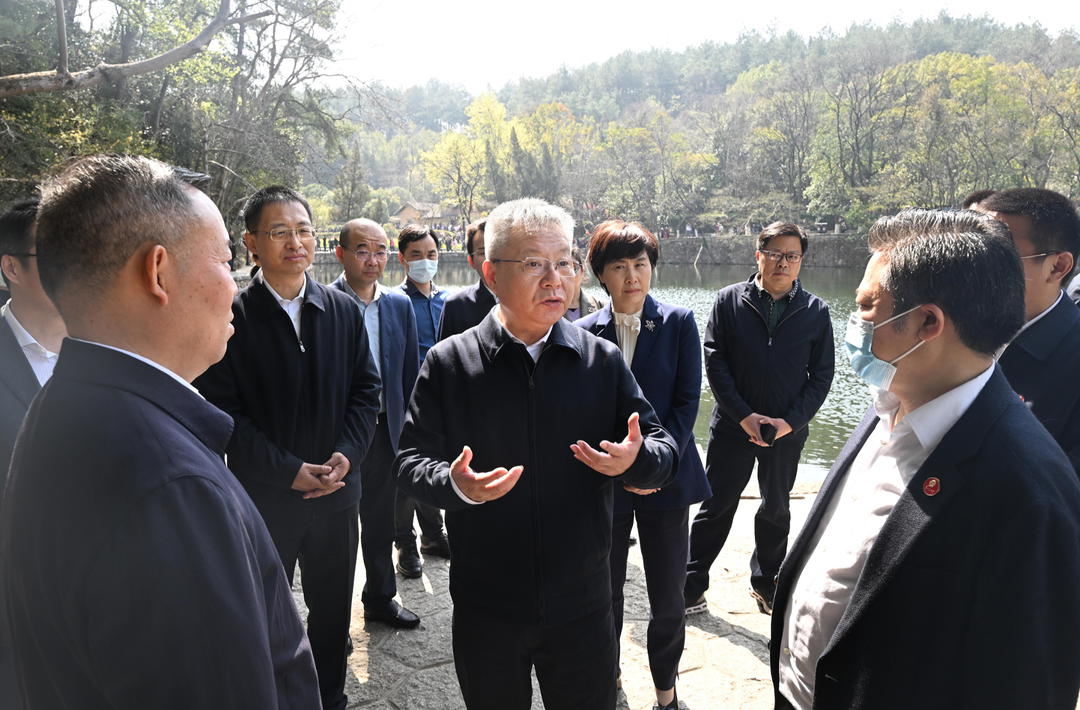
(931,486)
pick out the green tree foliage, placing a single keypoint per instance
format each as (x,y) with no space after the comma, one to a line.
(247,110)
(351,192)
(846,126)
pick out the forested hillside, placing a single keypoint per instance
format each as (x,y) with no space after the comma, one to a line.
(844,126)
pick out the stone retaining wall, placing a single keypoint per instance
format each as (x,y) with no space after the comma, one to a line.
(835,250)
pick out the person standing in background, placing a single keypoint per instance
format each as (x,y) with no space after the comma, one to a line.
(391,328)
(30,338)
(299,382)
(769,357)
(468,306)
(660,343)
(418,252)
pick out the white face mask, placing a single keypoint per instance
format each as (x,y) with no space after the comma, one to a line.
(423,270)
(858,341)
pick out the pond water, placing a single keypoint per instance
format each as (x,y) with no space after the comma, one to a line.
(695,287)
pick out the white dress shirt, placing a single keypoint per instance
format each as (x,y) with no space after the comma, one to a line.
(292,307)
(837,552)
(41,361)
(627,329)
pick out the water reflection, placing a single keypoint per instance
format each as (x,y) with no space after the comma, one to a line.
(695,287)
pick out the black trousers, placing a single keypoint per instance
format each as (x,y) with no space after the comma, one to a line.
(662,535)
(430,518)
(377,519)
(575,662)
(325,546)
(729,464)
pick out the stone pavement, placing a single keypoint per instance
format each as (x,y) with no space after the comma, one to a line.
(725,665)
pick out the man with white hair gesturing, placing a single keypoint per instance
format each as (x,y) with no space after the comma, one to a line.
(511,430)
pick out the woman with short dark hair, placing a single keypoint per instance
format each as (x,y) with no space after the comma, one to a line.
(661,344)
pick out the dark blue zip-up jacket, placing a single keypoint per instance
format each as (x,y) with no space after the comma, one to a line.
(787,375)
(538,556)
(295,400)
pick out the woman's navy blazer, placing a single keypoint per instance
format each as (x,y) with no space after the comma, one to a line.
(667,366)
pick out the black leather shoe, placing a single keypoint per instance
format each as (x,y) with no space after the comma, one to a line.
(394,614)
(408,563)
(349,647)
(437,546)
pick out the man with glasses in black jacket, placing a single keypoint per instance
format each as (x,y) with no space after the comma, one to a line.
(769,359)
(301,386)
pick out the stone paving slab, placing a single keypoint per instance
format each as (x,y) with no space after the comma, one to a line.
(724,664)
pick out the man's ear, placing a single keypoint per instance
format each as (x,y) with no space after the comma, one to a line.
(159,267)
(337,251)
(932,322)
(489,275)
(11,268)
(249,240)
(1063,266)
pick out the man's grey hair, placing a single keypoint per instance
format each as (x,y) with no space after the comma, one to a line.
(529,214)
(961,261)
(97,211)
(918,222)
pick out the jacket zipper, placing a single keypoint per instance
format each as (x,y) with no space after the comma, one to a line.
(787,314)
(530,369)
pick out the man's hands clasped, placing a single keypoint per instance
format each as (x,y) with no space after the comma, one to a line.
(316,481)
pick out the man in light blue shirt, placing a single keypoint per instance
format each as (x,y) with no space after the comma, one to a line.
(418,252)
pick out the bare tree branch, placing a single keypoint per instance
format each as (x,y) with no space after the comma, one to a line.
(38,82)
(61,30)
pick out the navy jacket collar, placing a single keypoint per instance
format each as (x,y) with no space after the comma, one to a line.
(266,304)
(91,364)
(1043,337)
(494,336)
(412,291)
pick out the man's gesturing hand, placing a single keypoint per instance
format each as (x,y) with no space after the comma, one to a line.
(482,486)
(619,456)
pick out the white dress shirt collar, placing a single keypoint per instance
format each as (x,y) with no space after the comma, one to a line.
(291,307)
(41,359)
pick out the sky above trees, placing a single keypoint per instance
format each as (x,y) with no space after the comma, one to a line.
(483,44)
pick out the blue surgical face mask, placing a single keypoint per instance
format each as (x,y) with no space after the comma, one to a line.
(859,339)
(423,270)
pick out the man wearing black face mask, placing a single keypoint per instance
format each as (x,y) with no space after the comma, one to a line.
(940,564)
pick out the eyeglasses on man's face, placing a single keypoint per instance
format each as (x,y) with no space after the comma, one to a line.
(777,256)
(281,234)
(362,254)
(538,265)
